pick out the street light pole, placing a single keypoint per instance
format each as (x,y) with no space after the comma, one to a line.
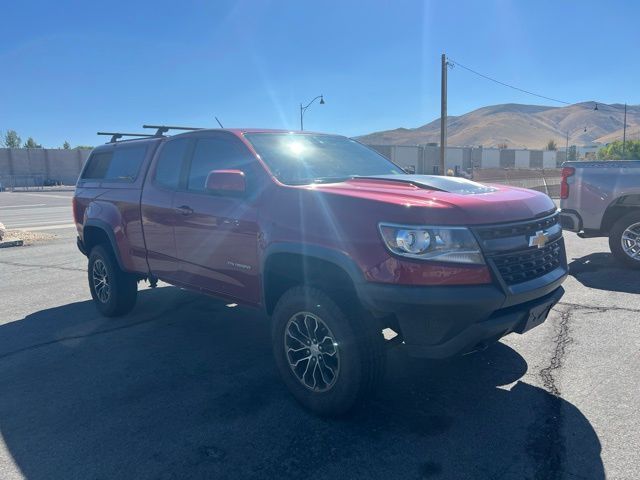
(303,109)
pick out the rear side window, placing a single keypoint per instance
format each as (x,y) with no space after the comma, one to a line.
(121,164)
(169,163)
(217,154)
(97,165)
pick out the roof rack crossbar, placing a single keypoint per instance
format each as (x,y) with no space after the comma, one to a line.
(162,129)
(118,135)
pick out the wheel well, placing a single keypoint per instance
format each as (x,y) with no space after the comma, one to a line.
(618,209)
(286,270)
(93,236)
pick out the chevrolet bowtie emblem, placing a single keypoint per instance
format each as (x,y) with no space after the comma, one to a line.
(539,240)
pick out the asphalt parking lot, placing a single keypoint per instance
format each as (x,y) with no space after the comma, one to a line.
(185,386)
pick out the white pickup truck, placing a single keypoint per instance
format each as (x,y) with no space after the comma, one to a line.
(602,199)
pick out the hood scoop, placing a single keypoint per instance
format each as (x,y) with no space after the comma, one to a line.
(457,185)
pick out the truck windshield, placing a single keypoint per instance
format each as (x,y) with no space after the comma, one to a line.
(299,159)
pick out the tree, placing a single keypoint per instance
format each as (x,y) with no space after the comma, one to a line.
(551,145)
(11,139)
(613,151)
(66,145)
(31,143)
(503,146)
(572,154)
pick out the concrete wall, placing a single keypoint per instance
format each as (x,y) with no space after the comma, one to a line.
(549,159)
(48,164)
(65,165)
(409,158)
(426,159)
(507,158)
(522,159)
(490,158)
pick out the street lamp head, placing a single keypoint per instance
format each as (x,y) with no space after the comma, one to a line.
(321,100)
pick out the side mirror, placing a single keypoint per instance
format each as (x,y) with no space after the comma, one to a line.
(228,182)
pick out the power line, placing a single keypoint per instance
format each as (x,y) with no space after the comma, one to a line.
(610,107)
(507,85)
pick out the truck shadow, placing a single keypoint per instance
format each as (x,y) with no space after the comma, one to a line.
(602,271)
(185,387)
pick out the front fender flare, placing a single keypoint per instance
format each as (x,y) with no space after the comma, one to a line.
(336,257)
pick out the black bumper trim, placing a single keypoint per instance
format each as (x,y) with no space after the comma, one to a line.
(440,322)
(481,334)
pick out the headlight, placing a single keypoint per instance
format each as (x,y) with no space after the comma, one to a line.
(441,244)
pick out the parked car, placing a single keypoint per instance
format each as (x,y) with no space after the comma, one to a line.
(602,199)
(334,242)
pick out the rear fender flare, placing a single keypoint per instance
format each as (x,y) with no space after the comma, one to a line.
(108,230)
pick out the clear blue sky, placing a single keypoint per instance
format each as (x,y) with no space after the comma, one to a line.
(70,68)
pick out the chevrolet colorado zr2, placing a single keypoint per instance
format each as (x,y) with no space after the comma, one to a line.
(331,240)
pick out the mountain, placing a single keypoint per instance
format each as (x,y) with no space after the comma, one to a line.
(518,126)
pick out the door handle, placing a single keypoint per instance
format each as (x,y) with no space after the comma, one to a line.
(184,210)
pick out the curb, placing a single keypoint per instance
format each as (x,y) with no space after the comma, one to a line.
(11,243)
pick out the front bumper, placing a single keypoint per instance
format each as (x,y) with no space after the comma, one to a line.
(441,322)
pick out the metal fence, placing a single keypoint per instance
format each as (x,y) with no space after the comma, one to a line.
(542,180)
(12,183)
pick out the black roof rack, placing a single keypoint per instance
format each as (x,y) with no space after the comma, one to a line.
(161,129)
(117,135)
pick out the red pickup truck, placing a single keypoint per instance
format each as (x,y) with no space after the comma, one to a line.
(336,244)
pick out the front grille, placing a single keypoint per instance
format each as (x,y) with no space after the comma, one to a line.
(523,265)
(528,228)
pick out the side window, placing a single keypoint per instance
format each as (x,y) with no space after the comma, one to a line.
(120,164)
(125,163)
(169,163)
(217,154)
(97,166)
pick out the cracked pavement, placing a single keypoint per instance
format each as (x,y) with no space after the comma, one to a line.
(185,387)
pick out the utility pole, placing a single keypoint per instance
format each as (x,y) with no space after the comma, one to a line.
(443,114)
(566,150)
(624,131)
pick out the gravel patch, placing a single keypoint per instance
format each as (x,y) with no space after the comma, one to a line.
(29,238)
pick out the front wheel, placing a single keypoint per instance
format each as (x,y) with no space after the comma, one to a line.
(114,291)
(624,240)
(328,360)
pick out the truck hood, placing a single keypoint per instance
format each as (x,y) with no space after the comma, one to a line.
(450,200)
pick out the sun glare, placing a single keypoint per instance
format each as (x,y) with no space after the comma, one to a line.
(296,147)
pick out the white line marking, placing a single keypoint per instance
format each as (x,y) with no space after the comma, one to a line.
(48,227)
(24,206)
(66,197)
(35,222)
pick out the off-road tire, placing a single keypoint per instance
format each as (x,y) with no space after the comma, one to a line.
(360,346)
(615,239)
(123,286)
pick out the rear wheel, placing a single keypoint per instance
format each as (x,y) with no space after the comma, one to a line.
(114,291)
(624,240)
(329,360)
